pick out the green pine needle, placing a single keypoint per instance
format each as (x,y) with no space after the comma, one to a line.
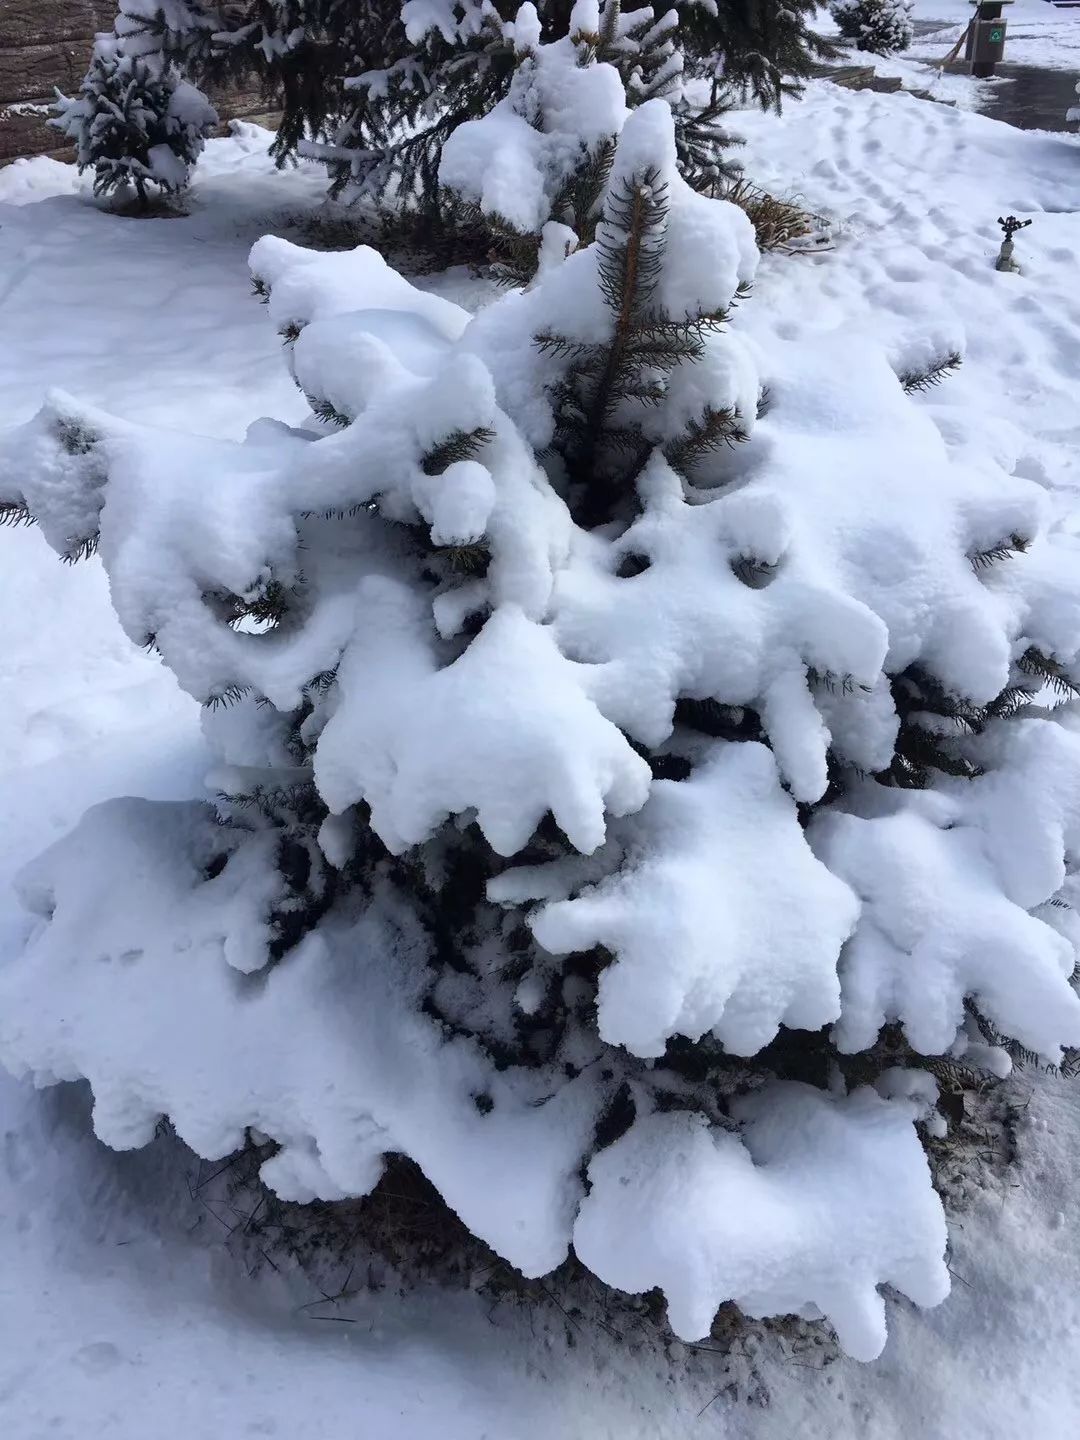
(457,446)
(916,381)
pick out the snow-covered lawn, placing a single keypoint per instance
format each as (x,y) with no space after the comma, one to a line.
(117,1318)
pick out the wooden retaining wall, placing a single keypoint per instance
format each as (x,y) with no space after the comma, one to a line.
(46,44)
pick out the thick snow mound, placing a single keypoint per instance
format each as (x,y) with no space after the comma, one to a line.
(373,1076)
(518,737)
(306,285)
(517,159)
(715,874)
(325,1053)
(946,884)
(835,1192)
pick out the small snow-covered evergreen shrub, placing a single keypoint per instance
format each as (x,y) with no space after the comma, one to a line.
(1072,115)
(622,805)
(136,122)
(881,26)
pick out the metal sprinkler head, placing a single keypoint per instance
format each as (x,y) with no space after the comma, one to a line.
(1011,225)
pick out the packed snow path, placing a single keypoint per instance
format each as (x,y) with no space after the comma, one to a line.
(112,1316)
(914,190)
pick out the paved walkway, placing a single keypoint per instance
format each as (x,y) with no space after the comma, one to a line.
(1036,84)
(1029,98)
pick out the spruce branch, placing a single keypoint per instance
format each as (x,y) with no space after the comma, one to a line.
(392,136)
(630,256)
(919,752)
(16,512)
(339,512)
(578,203)
(268,607)
(834,684)
(265,605)
(320,684)
(271,800)
(78,550)
(1011,702)
(923,748)
(468,559)
(701,142)
(717,720)
(717,428)
(328,412)
(631,252)
(610,18)
(1049,671)
(512,254)
(953,1073)
(1019,1054)
(1003,550)
(915,381)
(561,347)
(605,387)
(224,698)
(453,230)
(458,445)
(917,690)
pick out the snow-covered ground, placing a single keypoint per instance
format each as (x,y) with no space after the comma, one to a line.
(120,1315)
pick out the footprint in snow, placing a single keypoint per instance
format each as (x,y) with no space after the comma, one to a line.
(98,1356)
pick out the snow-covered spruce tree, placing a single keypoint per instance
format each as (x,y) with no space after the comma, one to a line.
(378,86)
(561,838)
(448,61)
(764,48)
(881,26)
(301,50)
(136,122)
(468,62)
(179,29)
